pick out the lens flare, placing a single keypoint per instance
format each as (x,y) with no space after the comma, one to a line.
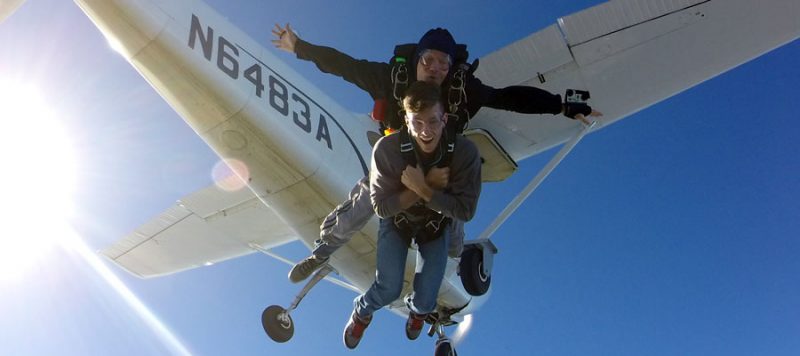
(462,330)
(230,174)
(73,242)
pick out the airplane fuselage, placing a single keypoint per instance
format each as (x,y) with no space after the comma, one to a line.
(303,151)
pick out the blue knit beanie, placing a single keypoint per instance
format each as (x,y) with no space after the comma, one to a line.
(438,39)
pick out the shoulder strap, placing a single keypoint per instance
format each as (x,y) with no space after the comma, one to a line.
(448,140)
(407,148)
(456,106)
(403,55)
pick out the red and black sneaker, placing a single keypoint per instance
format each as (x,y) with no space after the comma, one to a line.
(354,330)
(414,325)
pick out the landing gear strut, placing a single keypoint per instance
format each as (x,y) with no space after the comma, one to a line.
(444,347)
(276,320)
(438,320)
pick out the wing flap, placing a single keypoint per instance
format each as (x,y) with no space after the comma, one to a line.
(206,227)
(613,16)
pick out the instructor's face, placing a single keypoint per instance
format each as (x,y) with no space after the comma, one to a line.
(433,66)
(426,127)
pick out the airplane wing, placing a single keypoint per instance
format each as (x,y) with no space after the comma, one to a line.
(629,54)
(206,227)
(8,7)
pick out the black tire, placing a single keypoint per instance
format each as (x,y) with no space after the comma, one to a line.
(475,282)
(278,326)
(444,347)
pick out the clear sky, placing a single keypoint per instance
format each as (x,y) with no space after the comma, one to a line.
(672,232)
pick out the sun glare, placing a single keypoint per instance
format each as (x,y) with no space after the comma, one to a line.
(37,178)
(462,330)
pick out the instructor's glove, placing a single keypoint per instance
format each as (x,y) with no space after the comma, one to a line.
(572,109)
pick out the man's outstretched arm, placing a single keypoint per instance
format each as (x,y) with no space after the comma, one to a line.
(367,75)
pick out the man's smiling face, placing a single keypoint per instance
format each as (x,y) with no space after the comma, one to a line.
(426,127)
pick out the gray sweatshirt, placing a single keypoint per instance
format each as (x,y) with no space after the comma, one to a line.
(458,200)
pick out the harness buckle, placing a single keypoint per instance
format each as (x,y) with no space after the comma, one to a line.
(451,117)
(400,77)
(435,224)
(457,93)
(399,219)
(455,96)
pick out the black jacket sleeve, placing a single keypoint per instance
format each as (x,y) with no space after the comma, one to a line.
(372,77)
(521,99)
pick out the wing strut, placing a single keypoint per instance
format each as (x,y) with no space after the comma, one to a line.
(274,255)
(538,179)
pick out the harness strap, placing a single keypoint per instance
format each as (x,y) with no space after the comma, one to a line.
(407,148)
(432,229)
(447,147)
(457,114)
(430,226)
(399,79)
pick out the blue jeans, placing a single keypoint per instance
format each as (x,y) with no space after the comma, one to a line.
(391,261)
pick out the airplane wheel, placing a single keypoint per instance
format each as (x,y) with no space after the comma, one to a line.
(444,347)
(471,270)
(277,323)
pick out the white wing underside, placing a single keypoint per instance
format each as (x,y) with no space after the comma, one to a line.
(206,227)
(629,53)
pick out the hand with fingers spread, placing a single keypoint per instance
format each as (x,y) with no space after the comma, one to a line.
(574,110)
(285,38)
(583,119)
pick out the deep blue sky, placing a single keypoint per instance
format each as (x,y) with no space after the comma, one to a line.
(672,232)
